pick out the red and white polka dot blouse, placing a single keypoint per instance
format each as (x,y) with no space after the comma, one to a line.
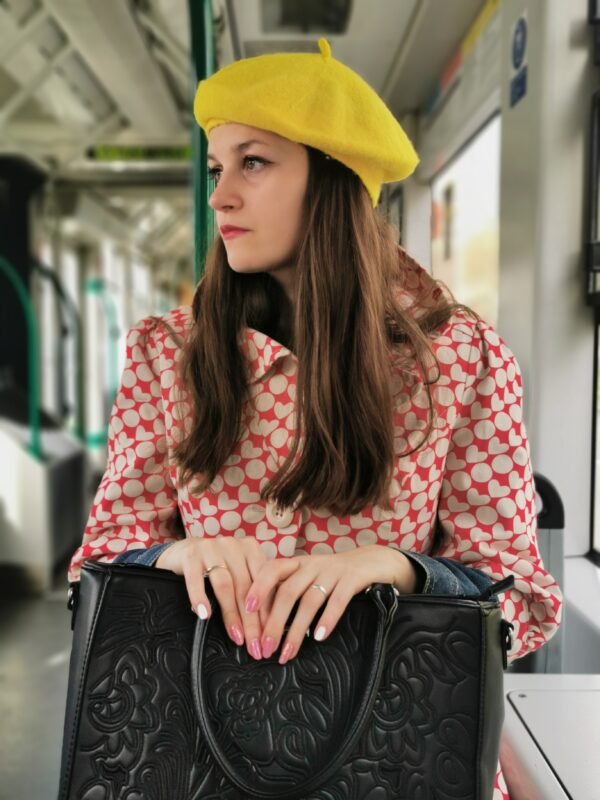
(474,473)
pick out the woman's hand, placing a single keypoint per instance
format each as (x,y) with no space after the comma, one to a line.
(328,581)
(232,565)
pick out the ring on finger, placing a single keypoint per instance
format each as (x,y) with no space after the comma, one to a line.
(321,588)
(215,566)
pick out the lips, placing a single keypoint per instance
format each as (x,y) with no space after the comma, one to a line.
(229,231)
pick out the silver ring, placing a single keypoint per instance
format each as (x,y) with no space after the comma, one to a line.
(216,566)
(320,588)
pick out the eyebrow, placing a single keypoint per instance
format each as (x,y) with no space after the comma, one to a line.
(239,147)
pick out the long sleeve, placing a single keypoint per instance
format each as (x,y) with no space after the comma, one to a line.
(135,505)
(487,503)
(438,575)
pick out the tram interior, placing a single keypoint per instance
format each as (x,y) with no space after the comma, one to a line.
(103,221)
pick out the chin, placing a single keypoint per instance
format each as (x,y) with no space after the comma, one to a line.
(245,268)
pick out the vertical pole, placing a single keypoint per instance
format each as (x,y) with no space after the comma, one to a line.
(203,63)
(33,394)
(19,183)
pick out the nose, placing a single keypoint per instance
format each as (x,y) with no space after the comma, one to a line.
(225,194)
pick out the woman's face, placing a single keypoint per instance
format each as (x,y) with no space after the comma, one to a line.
(260,182)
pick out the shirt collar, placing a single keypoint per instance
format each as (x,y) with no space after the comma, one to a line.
(261,352)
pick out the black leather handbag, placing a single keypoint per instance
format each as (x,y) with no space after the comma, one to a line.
(404,699)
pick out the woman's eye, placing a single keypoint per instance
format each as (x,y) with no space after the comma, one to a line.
(253,161)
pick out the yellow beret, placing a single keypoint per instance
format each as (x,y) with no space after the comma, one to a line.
(315,100)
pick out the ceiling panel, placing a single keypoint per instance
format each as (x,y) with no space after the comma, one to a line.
(107,35)
(435,42)
(368,46)
(8,86)
(400,47)
(22,10)
(29,70)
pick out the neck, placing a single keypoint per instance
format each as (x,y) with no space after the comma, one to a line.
(286,278)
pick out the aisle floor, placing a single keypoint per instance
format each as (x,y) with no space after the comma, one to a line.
(35,642)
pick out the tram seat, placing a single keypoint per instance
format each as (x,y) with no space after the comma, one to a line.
(551,737)
(551,523)
(42,500)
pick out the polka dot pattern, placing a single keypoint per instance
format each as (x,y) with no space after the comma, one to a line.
(474,474)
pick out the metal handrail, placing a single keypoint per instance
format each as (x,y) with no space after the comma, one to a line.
(67,303)
(593,234)
(33,395)
(203,62)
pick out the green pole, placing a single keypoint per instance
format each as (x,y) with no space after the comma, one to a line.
(203,62)
(35,444)
(69,305)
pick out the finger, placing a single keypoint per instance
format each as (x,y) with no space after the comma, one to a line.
(268,644)
(264,611)
(262,595)
(256,559)
(230,590)
(200,559)
(312,601)
(271,574)
(242,577)
(335,607)
(287,595)
(193,572)
(223,580)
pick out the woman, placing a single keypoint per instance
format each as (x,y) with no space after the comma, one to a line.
(325,416)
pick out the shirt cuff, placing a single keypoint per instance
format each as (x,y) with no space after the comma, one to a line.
(143,557)
(437,575)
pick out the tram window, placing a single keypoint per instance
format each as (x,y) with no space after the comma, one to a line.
(447,220)
(465,223)
(305,16)
(395,211)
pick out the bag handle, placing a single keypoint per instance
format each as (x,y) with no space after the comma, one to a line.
(386,601)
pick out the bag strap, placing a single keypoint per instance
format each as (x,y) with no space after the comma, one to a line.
(497,588)
(386,602)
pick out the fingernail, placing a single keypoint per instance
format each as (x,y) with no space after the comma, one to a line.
(268,646)
(251,603)
(320,633)
(255,650)
(202,611)
(236,634)
(286,653)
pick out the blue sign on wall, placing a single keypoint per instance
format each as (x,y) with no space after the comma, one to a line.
(518,87)
(518,84)
(519,43)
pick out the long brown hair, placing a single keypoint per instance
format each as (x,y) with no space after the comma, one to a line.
(344,325)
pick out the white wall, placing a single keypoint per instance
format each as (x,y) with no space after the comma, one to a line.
(542,303)
(542,311)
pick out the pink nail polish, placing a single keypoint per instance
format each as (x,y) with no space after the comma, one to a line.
(255,650)
(236,634)
(251,603)
(268,646)
(286,653)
